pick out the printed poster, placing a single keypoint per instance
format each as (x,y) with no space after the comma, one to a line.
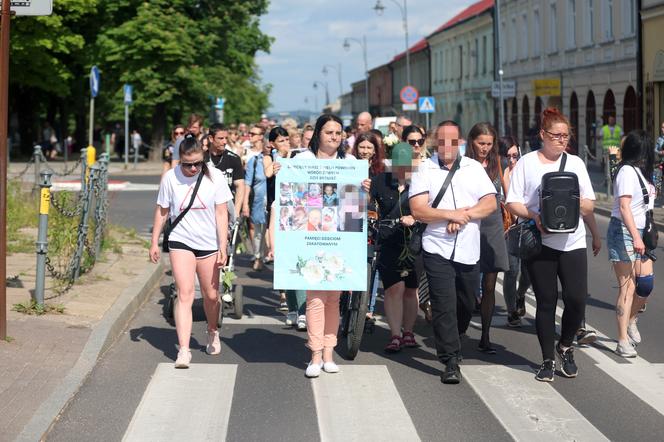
(321,231)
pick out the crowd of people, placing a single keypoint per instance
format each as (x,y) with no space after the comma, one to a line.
(459,193)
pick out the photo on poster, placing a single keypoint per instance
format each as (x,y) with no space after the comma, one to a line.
(286,218)
(314,218)
(299,218)
(352,209)
(330,221)
(286,194)
(330,197)
(314,195)
(299,194)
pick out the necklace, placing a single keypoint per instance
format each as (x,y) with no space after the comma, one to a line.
(221,157)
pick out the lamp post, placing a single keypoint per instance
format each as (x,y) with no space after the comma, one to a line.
(338,69)
(327,91)
(379,8)
(362,43)
(499,60)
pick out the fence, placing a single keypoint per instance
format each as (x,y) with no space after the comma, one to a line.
(90,210)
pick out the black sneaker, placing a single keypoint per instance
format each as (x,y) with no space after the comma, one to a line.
(567,365)
(514,320)
(585,337)
(546,370)
(521,306)
(452,373)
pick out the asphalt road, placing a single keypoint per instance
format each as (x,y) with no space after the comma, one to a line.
(267,396)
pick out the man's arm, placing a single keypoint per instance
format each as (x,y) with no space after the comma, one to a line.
(419,208)
(239,195)
(484,207)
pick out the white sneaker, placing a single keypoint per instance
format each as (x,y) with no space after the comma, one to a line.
(302,323)
(633,332)
(184,358)
(214,345)
(625,350)
(227,297)
(330,367)
(313,370)
(291,318)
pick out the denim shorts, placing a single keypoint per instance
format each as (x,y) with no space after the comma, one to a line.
(620,243)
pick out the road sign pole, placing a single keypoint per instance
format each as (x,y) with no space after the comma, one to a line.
(4,102)
(428,125)
(92,119)
(126,150)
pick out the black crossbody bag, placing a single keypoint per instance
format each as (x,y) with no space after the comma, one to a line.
(417,231)
(650,235)
(170,225)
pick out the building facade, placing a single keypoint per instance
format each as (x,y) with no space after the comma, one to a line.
(419,77)
(577,55)
(462,68)
(359,100)
(652,28)
(380,91)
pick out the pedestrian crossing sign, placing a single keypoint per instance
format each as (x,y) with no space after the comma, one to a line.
(427,105)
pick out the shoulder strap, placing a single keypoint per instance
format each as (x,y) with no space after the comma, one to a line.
(403,200)
(191,202)
(563,161)
(446,183)
(644,190)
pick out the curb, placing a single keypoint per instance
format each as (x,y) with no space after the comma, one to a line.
(102,337)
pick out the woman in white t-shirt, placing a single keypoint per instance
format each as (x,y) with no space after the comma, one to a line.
(197,244)
(563,255)
(627,252)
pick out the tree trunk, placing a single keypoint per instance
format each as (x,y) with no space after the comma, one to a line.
(158,129)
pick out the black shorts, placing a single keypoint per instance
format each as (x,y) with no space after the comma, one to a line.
(390,269)
(199,254)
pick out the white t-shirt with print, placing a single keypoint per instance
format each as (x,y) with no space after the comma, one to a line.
(627,183)
(469,184)
(197,229)
(525,183)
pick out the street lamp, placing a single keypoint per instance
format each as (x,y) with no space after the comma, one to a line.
(379,8)
(362,43)
(327,92)
(338,69)
(499,60)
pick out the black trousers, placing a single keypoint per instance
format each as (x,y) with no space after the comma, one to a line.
(452,289)
(545,270)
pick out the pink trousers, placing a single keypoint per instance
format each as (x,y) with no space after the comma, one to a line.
(322,319)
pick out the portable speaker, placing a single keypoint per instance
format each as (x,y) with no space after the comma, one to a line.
(560,202)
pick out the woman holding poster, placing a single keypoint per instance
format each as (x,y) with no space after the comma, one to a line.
(323,305)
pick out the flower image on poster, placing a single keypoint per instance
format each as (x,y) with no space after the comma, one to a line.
(321,242)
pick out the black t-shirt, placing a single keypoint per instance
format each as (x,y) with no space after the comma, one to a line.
(385,193)
(229,164)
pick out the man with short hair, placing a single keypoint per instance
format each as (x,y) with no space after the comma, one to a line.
(402,122)
(363,123)
(451,241)
(194,126)
(228,162)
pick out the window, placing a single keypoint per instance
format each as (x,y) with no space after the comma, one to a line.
(484,54)
(514,44)
(468,57)
(553,28)
(629,18)
(607,20)
(588,22)
(537,34)
(571,24)
(477,56)
(525,36)
(460,62)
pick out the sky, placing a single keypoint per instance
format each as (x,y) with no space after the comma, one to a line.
(309,34)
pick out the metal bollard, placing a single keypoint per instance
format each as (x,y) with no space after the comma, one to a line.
(84,165)
(42,235)
(36,156)
(83,224)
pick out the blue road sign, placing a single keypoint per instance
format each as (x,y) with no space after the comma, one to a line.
(219,103)
(427,105)
(128,90)
(94,81)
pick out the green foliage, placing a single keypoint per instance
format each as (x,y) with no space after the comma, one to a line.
(32,308)
(227,279)
(22,212)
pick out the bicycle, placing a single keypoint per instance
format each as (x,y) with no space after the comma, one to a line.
(355,305)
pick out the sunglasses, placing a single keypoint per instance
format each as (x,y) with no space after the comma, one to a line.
(419,142)
(515,156)
(258,134)
(197,165)
(179,132)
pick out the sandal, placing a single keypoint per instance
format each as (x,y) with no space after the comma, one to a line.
(394,346)
(408,340)
(426,308)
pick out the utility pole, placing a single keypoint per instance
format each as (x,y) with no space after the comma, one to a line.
(501,108)
(4,108)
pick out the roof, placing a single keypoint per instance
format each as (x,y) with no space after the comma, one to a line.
(470,12)
(417,47)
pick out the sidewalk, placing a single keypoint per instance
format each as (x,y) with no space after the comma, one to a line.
(47,357)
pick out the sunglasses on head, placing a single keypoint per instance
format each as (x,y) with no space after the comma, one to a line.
(419,142)
(197,165)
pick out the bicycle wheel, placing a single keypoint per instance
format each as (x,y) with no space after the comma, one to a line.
(238,302)
(170,301)
(359,306)
(344,312)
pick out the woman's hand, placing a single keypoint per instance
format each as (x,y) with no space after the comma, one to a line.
(276,166)
(155,253)
(222,257)
(639,246)
(366,185)
(245,211)
(597,245)
(407,220)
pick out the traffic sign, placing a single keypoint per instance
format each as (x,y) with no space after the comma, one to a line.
(219,103)
(409,107)
(427,105)
(509,89)
(409,95)
(128,99)
(94,81)
(31,7)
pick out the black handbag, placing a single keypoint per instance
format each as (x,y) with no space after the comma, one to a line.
(170,225)
(650,235)
(524,240)
(417,231)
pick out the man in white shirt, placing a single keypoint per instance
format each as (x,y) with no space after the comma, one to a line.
(451,241)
